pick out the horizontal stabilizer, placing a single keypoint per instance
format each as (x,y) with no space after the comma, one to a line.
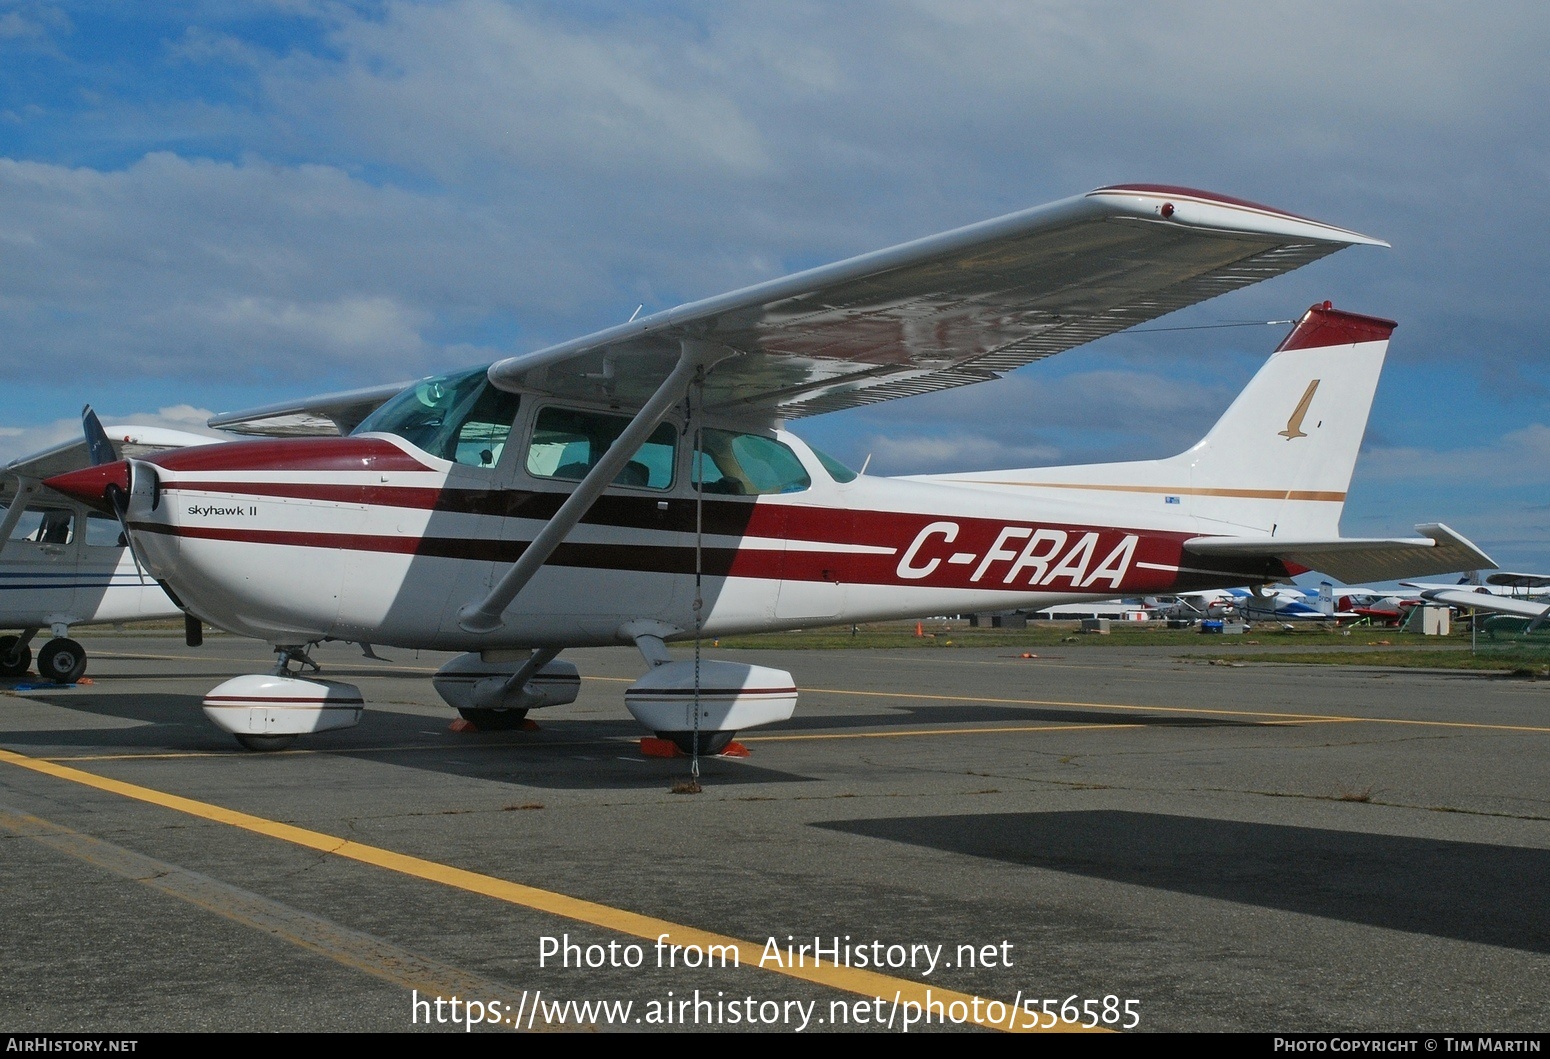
(1354,559)
(1463,597)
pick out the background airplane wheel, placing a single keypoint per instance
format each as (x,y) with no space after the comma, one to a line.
(62,661)
(266,742)
(488,720)
(710,742)
(19,657)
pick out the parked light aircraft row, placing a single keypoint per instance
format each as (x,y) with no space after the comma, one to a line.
(1267,603)
(638,485)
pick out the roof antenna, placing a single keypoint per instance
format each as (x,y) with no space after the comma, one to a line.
(636,313)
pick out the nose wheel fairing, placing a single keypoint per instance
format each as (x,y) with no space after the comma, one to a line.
(266,712)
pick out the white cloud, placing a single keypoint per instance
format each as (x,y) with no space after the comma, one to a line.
(1518,458)
(460,90)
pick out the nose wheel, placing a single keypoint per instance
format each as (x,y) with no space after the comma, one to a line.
(263,743)
(493,720)
(62,660)
(711,743)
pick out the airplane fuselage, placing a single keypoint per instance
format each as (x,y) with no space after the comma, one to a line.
(369,538)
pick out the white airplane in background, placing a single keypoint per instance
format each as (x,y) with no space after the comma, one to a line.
(636,485)
(63,564)
(1516,594)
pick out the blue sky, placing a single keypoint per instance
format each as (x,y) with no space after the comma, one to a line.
(208,206)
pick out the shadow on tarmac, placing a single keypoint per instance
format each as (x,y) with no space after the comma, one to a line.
(1493,895)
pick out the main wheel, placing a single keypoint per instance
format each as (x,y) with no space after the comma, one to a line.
(492,720)
(14,657)
(266,742)
(62,661)
(710,742)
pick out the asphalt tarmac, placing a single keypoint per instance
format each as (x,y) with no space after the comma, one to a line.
(958,837)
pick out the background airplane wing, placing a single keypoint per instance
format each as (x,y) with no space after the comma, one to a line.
(1439,550)
(326,414)
(948,310)
(1510,579)
(129,442)
(1463,597)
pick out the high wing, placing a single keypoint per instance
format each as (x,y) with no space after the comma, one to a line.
(949,310)
(324,415)
(1352,559)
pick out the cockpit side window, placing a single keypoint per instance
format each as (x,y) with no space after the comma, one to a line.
(458,417)
(567,443)
(45,526)
(481,434)
(748,465)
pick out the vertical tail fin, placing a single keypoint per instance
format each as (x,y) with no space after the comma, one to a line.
(1280,458)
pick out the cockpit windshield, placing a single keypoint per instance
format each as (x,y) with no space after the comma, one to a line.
(459,417)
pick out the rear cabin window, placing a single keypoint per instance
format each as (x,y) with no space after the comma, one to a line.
(748,465)
(568,443)
(462,418)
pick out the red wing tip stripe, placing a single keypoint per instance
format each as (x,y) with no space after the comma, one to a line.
(1177,192)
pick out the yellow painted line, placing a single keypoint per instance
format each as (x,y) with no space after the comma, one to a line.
(1288,718)
(913,732)
(871,984)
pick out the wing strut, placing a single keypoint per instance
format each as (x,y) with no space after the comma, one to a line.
(486,616)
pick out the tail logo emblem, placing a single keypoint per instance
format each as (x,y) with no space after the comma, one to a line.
(1294,424)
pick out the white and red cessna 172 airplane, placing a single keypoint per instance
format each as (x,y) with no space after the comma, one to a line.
(635,485)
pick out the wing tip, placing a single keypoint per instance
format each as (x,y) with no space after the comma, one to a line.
(1193,206)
